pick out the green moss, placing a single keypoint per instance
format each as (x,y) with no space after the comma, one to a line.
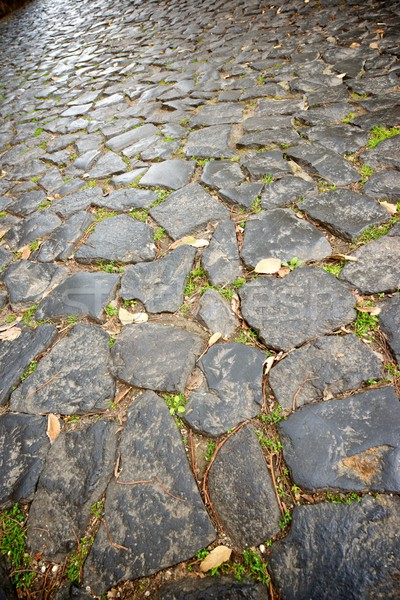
(378,134)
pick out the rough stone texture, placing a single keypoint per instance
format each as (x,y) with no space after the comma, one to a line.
(389,320)
(305,304)
(33,227)
(342,139)
(210,142)
(23,445)
(171,174)
(61,245)
(233,374)
(187,210)
(78,468)
(377,267)
(384,185)
(122,141)
(278,233)
(73,203)
(260,164)
(158,529)
(216,314)
(5,258)
(73,377)
(385,154)
(325,163)
(126,199)
(242,492)
(285,191)
(340,551)
(81,294)
(27,282)
(219,587)
(222,174)
(351,444)
(160,284)
(119,238)
(332,365)
(109,164)
(156,357)
(243,195)
(16,355)
(221,259)
(217,114)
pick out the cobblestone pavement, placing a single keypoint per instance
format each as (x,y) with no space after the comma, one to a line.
(199,294)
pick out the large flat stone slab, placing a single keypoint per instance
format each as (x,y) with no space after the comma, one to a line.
(241,490)
(278,233)
(385,155)
(122,141)
(78,469)
(171,174)
(222,174)
(218,587)
(27,282)
(73,203)
(377,268)
(72,378)
(221,260)
(188,210)
(210,142)
(305,304)
(233,374)
(81,294)
(156,357)
(159,523)
(216,314)
(351,444)
(160,284)
(339,551)
(384,185)
(218,114)
(338,138)
(126,199)
(389,320)
(325,163)
(62,243)
(36,226)
(107,165)
(119,238)
(324,368)
(243,195)
(285,191)
(260,164)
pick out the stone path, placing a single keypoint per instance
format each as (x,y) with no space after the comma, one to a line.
(162,392)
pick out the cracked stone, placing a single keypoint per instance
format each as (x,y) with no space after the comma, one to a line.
(28,282)
(171,174)
(216,314)
(260,164)
(109,164)
(325,163)
(220,259)
(36,226)
(73,203)
(62,243)
(285,191)
(122,141)
(221,174)
(210,142)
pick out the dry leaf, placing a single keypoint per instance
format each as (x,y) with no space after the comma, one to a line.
(195,380)
(354,45)
(125,316)
(122,395)
(189,240)
(53,428)
(214,338)
(26,252)
(391,208)
(374,45)
(268,266)
(372,310)
(140,317)
(219,555)
(10,334)
(341,75)
(3,232)
(283,271)
(343,257)
(268,364)
(202,243)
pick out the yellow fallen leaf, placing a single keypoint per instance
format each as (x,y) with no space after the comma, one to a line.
(354,45)
(374,45)
(125,316)
(10,334)
(372,310)
(219,555)
(343,257)
(189,240)
(53,427)
(283,271)
(214,338)
(140,317)
(268,266)
(268,364)
(200,243)
(26,252)
(391,208)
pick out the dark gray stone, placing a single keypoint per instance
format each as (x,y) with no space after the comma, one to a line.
(27,203)
(126,199)
(242,492)
(259,139)
(23,448)
(259,164)
(70,591)
(243,195)
(28,282)
(222,173)
(62,243)
(74,111)
(219,587)
(36,226)
(278,233)
(339,551)
(324,115)
(389,320)
(119,238)
(171,174)
(73,203)
(17,354)
(331,365)
(350,444)
(52,181)
(233,373)
(305,304)
(188,210)
(72,378)
(218,114)
(160,284)
(81,294)
(344,213)
(377,267)
(87,160)
(122,141)
(216,314)
(285,191)
(384,185)
(154,356)
(338,138)
(273,122)
(5,258)
(162,522)
(210,142)
(386,154)
(325,163)
(386,117)
(221,259)
(109,164)
(77,471)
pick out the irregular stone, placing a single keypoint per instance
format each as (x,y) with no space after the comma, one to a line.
(73,377)
(351,444)
(233,373)
(87,160)
(210,142)
(325,163)
(129,177)
(285,191)
(36,226)
(73,203)
(159,285)
(126,199)
(109,164)
(325,114)
(78,468)
(27,203)
(259,139)
(338,138)
(83,293)
(23,448)
(273,122)
(74,111)
(305,304)
(386,154)
(278,233)
(62,243)
(330,366)
(386,117)
(187,210)
(158,529)
(119,238)
(122,141)
(171,174)
(260,164)
(216,314)
(218,587)
(221,259)
(222,173)
(154,356)
(218,114)
(16,355)
(384,185)
(303,565)
(344,213)
(28,282)
(244,194)
(52,181)
(389,320)
(70,591)
(376,269)
(5,258)
(242,492)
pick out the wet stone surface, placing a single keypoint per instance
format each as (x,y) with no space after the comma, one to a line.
(213,588)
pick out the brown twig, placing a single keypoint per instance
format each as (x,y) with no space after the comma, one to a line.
(113,544)
(299,390)
(192,456)
(167,492)
(44,384)
(271,468)
(134,482)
